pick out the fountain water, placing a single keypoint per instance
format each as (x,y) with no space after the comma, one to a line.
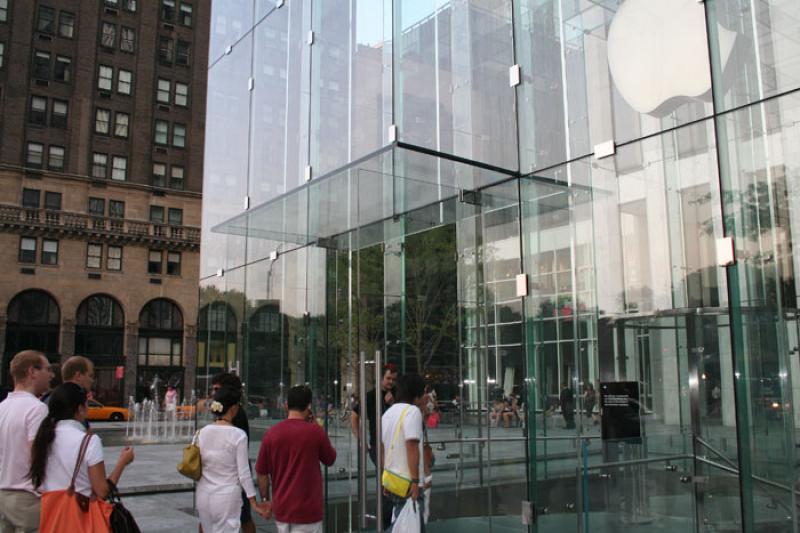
(147,424)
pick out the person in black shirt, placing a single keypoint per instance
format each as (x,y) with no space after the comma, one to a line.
(228,380)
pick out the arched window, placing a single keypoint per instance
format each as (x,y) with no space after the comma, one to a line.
(33,323)
(160,348)
(99,335)
(216,337)
(265,346)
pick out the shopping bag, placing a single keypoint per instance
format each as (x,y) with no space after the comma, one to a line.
(69,510)
(191,466)
(408,519)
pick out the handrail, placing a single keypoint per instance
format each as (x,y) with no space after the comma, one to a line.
(717,452)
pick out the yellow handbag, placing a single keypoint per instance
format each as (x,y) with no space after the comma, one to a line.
(191,466)
(392,481)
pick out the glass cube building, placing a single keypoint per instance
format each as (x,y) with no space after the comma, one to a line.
(534,204)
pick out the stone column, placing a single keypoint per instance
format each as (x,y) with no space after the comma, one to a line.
(131,352)
(189,360)
(67,339)
(3,362)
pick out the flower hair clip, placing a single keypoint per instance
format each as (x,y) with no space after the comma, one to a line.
(216,407)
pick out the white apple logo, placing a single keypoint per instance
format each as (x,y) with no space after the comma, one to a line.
(658,53)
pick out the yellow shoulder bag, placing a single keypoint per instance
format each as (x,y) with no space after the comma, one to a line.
(191,466)
(392,481)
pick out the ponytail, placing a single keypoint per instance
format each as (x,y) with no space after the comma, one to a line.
(41,449)
(63,405)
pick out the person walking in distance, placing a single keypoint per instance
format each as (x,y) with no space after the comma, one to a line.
(288,463)
(400,446)
(21,414)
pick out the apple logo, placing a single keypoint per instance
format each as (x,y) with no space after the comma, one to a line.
(658,53)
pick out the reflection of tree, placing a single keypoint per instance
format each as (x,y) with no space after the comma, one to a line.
(432,295)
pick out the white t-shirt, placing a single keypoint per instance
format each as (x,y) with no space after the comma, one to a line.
(226,467)
(21,414)
(395,458)
(64,454)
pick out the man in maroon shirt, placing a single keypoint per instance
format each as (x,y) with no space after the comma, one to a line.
(289,456)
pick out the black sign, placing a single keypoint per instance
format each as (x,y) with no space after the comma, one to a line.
(619,409)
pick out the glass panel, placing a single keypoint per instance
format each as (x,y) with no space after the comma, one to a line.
(229,22)
(228,109)
(452,80)
(754,55)
(582,85)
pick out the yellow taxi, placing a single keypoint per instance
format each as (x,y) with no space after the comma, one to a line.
(98,411)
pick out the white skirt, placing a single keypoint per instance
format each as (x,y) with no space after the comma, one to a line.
(219,511)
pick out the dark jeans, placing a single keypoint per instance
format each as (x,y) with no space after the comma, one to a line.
(386,505)
(398,504)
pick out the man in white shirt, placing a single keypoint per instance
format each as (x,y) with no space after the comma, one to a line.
(403,455)
(21,413)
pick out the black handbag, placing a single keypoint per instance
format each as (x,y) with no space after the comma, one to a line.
(121,520)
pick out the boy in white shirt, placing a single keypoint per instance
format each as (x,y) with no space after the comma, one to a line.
(404,457)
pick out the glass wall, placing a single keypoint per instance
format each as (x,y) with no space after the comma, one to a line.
(573,218)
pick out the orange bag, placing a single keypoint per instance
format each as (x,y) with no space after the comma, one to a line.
(67,510)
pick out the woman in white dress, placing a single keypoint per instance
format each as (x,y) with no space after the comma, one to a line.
(226,468)
(58,441)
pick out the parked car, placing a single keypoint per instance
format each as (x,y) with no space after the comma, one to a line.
(98,411)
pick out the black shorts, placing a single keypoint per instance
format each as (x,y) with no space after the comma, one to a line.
(246,515)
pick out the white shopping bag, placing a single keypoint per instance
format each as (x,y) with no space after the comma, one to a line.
(408,519)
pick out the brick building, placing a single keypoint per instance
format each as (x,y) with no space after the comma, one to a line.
(102,115)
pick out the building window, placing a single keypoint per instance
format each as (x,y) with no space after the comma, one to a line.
(116,209)
(58,116)
(99,165)
(176,177)
(55,158)
(159,174)
(102,119)
(114,257)
(163,90)
(41,65)
(156,214)
(27,250)
(119,168)
(35,155)
(3,10)
(94,255)
(31,198)
(2,53)
(66,24)
(121,124)
(125,81)
(162,132)
(179,135)
(175,217)
(168,10)
(166,49)
(52,201)
(173,263)
(63,69)
(97,207)
(182,57)
(105,78)
(129,5)
(108,35)
(154,262)
(186,14)
(49,252)
(45,22)
(38,114)
(127,39)
(181,94)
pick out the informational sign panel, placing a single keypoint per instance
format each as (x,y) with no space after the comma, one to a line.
(119,372)
(619,410)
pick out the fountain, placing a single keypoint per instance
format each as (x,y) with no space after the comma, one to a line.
(147,424)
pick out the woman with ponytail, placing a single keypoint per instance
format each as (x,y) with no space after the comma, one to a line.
(55,449)
(226,468)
